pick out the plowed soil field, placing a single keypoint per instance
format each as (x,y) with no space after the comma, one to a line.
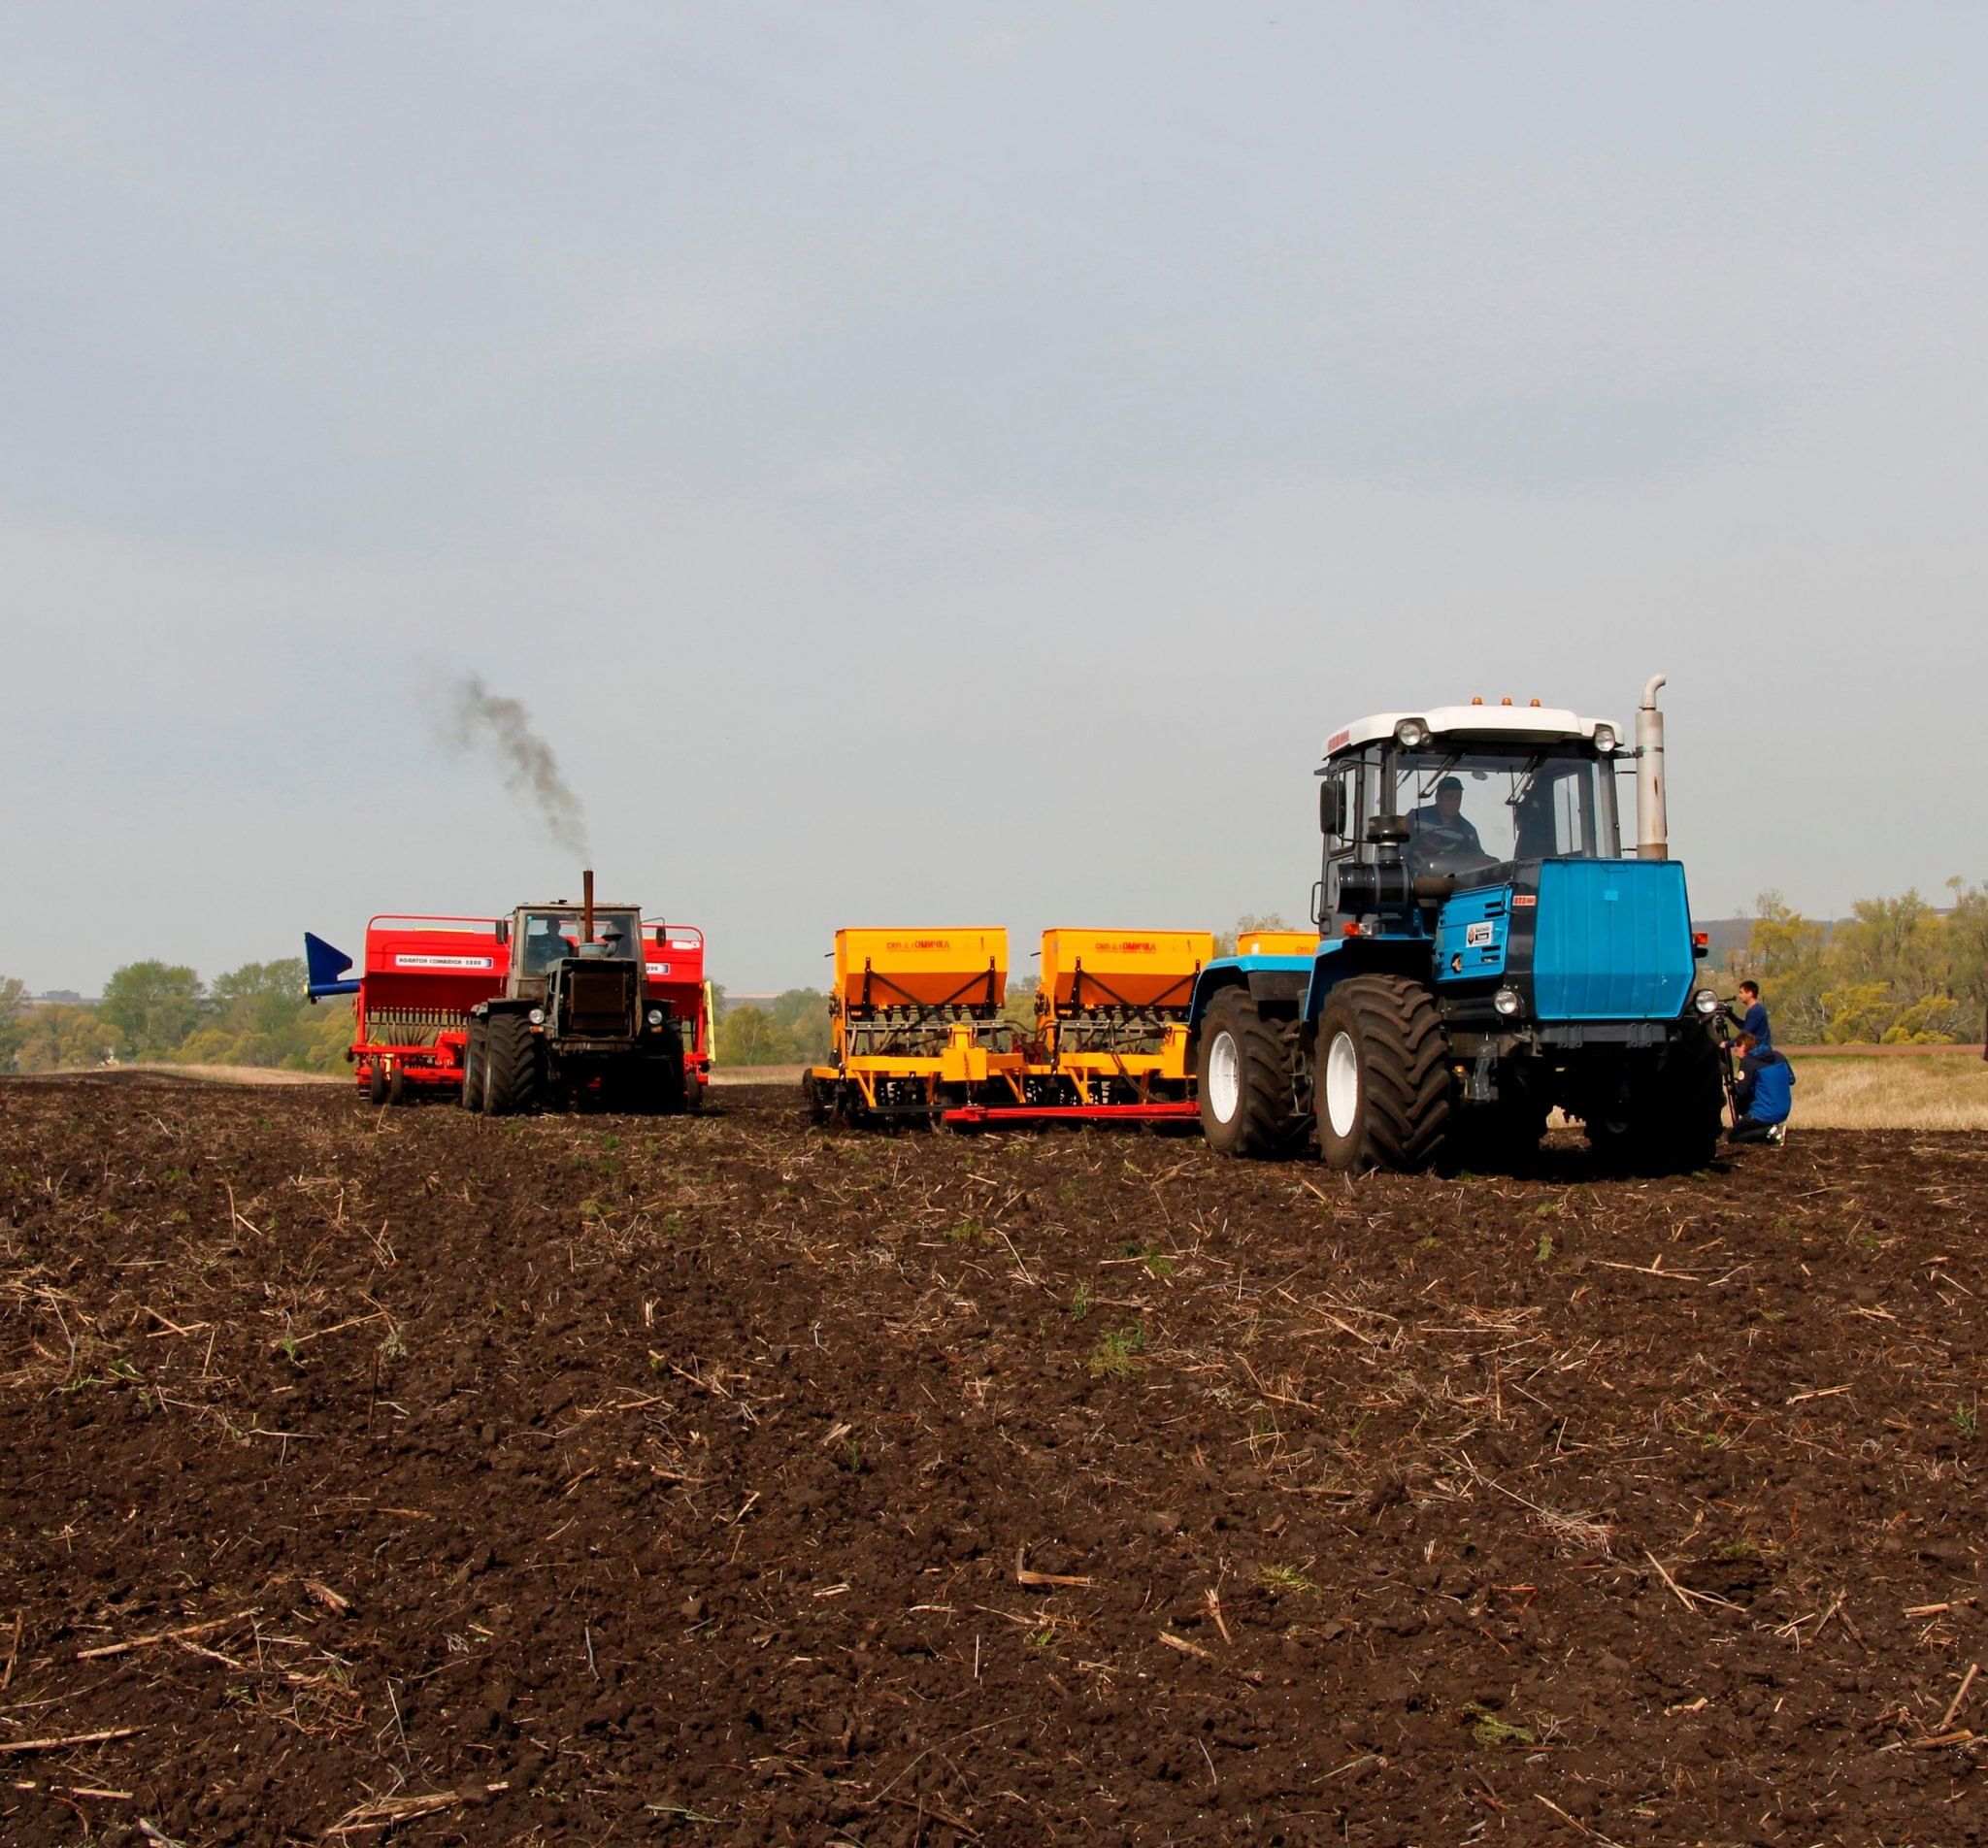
(403,1477)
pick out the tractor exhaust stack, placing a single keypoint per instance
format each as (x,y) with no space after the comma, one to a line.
(1653,819)
(586,901)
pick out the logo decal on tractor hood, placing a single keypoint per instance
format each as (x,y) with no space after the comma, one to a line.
(657,968)
(443,962)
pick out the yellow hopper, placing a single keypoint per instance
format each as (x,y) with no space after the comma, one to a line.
(1278,944)
(916,1014)
(1111,1015)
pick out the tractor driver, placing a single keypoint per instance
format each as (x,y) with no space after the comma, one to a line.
(544,945)
(1438,829)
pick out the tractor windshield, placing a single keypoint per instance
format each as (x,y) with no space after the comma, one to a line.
(549,936)
(1469,807)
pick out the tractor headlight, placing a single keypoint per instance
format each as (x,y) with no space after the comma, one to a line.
(537,1016)
(1605,738)
(655,1017)
(1411,734)
(1506,1001)
(1706,1002)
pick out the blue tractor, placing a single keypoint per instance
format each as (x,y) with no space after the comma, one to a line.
(1486,953)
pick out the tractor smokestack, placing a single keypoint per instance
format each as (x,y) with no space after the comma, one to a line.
(1653,819)
(586,902)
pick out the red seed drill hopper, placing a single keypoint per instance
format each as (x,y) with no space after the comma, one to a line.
(413,997)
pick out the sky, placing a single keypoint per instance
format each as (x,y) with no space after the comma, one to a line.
(954,464)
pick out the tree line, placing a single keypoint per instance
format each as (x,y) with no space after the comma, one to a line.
(151,1011)
(1896,972)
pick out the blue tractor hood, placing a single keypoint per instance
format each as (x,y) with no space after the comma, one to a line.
(1611,940)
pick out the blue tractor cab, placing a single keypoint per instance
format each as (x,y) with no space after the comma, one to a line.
(1486,953)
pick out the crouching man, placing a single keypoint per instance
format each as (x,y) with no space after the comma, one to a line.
(1763,1096)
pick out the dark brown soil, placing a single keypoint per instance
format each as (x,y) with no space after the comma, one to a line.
(717,1480)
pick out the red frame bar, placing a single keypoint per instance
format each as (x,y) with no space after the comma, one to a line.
(971,1114)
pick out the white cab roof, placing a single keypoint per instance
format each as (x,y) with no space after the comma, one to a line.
(1501,724)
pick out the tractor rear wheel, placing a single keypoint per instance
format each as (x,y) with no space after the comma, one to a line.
(513,1077)
(1383,1079)
(1244,1064)
(473,1054)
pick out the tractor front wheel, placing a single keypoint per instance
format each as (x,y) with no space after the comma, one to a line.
(1382,1082)
(659,1088)
(473,1056)
(513,1074)
(1245,1068)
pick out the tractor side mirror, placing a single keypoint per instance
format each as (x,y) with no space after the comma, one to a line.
(503,930)
(1332,806)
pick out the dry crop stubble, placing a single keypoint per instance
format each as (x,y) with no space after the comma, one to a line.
(420,1474)
(1936,1091)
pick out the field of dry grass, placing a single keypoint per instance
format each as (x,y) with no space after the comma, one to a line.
(1935,1091)
(217,1073)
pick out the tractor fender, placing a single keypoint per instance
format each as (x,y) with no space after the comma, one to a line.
(1276,980)
(1342,957)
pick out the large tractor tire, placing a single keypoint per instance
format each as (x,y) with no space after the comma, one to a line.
(1668,1122)
(1382,1081)
(514,1075)
(474,1055)
(659,1083)
(1245,1068)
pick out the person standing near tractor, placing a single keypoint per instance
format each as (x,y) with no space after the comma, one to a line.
(1754,1021)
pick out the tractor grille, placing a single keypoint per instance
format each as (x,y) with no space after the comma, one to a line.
(600,1001)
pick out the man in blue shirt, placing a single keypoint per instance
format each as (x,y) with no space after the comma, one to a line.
(1755,1020)
(1763,1096)
(1440,828)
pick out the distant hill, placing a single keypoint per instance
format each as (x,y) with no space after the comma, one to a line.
(1729,936)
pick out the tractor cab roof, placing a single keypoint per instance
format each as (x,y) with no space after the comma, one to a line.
(1491,725)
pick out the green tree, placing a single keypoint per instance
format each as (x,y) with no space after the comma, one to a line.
(265,998)
(14,1007)
(153,1007)
(1226,940)
(1856,1014)
(259,1015)
(1965,947)
(62,1039)
(751,1036)
(802,1015)
(1891,940)
(1933,1020)
(327,1031)
(1786,952)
